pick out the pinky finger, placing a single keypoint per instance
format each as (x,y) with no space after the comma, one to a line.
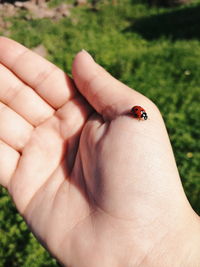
(8,163)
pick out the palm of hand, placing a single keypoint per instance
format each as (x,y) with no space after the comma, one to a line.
(64,179)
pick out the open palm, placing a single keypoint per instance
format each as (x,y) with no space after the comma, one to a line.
(96,190)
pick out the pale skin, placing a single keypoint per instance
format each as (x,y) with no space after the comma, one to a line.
(96,186)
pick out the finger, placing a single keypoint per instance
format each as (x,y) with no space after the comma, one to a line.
(73,116)
(108,96)
(93,131)
(8,162)
(50,82)
(14,130)
(22,99)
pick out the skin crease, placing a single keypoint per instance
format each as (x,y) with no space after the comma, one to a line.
(96,186)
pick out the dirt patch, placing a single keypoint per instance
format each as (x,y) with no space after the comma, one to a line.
(39,10)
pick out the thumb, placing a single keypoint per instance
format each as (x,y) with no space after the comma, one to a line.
(108,96)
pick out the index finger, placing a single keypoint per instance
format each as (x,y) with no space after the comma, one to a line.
(49,81)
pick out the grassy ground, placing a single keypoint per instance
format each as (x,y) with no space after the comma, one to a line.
(156,51)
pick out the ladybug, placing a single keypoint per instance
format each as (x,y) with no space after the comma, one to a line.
(139,112)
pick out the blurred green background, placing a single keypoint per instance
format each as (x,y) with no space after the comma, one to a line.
(155,50)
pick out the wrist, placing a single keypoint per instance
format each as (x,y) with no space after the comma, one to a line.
(192,259)
(179,248)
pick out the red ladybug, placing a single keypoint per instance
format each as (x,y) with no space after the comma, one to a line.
(139,112)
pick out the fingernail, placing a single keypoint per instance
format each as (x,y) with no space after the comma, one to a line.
(88,54)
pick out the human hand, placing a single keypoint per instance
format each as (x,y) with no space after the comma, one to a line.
(97,189)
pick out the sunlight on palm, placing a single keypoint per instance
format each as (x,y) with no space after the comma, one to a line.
(39,133)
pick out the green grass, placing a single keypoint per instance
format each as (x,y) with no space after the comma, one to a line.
(154,50)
